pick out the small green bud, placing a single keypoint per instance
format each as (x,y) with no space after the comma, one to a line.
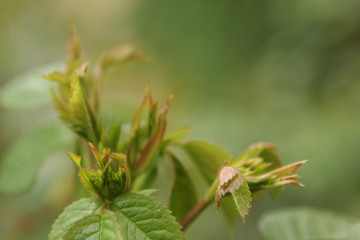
(110,180)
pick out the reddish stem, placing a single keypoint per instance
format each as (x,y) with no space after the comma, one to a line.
(193,214)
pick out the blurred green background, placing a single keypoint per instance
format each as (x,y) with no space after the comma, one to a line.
(286,72)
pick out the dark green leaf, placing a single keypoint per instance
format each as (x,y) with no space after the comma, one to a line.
(24,158)
(95,227)
(231,214)
(142,217)
(305,223)
(71,214)
(183,194)
(207,157)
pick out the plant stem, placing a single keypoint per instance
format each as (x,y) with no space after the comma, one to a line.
(200,206)
(194,213)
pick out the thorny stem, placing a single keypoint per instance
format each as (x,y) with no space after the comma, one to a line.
(200,206)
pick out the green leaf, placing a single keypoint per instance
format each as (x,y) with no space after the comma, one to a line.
(266,151)
(81,117)
(177,134)
(28,90)
(145,180)
(207,157)
(24,158)
(183,194)
(242,199)
(111,137)
(305,223)
(142,217)
(72,214)
(94,227)
(228,208)
(152,147)
(121,54)
(147,192)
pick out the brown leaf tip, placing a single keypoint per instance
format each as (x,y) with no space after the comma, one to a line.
(262,145)
(227,173)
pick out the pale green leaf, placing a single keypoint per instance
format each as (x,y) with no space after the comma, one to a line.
(95,227)
(177,134)
(266,151)
(121,54)
(145,180)
(355,232)
(305,223)
(78,112)
(22,161)
(147,192)
(28,90)
(207,157)
(183,194)
(141,217)
(242,199)
(71,214)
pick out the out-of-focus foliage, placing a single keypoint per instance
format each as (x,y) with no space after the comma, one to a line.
(20,165)
(306,223)
(280,71)
(27,91)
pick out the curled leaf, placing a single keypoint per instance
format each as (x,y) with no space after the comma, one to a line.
(233,182)
(230,179)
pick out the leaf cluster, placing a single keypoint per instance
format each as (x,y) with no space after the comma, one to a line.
(120,169)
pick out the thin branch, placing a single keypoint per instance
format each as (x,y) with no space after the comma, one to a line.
(200,206)
(194,213)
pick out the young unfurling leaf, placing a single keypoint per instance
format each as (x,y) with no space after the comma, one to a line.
(110,180)
(152,146)
(242,198)
(231,181)
(265,151)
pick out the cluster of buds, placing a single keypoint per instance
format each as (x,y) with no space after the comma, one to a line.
(110,179)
